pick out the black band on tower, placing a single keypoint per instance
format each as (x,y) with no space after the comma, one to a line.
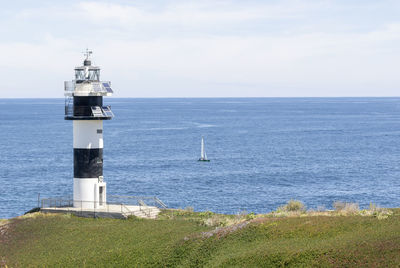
(82,105)
(88,163)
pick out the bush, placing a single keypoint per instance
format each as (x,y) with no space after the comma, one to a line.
(375,211)
(338,205)
(189,209)
(215,221)
(383,214)
(347,208)
(240,215)
(206,214)
(250,216)
(293,206)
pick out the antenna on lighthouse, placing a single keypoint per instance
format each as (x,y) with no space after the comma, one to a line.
(87,61)
(87,53)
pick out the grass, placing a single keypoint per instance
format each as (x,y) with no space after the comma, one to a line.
(183,238)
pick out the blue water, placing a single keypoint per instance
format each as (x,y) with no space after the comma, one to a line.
(263,152)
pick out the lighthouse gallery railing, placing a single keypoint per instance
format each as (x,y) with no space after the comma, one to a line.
(98,88)
(101,112)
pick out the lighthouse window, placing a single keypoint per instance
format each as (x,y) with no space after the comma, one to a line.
(94,75)
(99,131)
(79,74)
(91,74)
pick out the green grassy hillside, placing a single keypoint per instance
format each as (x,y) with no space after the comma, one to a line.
(190,239)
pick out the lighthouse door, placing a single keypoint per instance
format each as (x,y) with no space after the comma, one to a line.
(101,195)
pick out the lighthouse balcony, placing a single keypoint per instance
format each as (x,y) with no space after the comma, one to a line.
(87,88)
(88,112)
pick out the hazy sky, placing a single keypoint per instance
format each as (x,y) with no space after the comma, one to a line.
(204,48)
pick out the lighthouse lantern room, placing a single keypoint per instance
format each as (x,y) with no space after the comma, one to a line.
(84,106)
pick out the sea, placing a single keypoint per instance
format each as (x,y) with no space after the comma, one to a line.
(263,152)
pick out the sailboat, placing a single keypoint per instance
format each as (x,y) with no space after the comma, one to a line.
(203,156)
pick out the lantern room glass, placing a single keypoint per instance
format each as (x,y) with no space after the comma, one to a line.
(88,75)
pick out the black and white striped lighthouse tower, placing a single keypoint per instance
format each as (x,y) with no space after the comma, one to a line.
(84,106)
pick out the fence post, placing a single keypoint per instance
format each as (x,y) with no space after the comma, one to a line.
(38,200)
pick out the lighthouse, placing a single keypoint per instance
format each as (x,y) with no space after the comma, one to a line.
(84,106)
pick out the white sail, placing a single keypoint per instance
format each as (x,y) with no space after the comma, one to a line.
(202,148)
(203,156)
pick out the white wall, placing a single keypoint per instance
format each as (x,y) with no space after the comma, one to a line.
(85,134)
(86,192)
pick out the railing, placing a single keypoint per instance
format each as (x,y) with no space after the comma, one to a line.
(145,200)
(129,212)
(97,87)
(161,203)
(95,111)
(115,204)
(57,202)
(69,106)
(69,87)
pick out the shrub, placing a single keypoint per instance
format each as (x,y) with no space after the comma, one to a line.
(215,221)
(250,216)
(189,209)
(240,215)
(380,213)
(206,214)
(293,206)
(346,208)
(338,205)
(352,207)
(384,214)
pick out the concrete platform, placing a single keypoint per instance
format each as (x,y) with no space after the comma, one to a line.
(108,211)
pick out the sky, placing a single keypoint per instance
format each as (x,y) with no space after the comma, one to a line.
(229,48)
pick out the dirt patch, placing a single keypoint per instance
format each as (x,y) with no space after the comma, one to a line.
(223,231)
(226,230)
(4,231)
(260,220)
(4,238)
